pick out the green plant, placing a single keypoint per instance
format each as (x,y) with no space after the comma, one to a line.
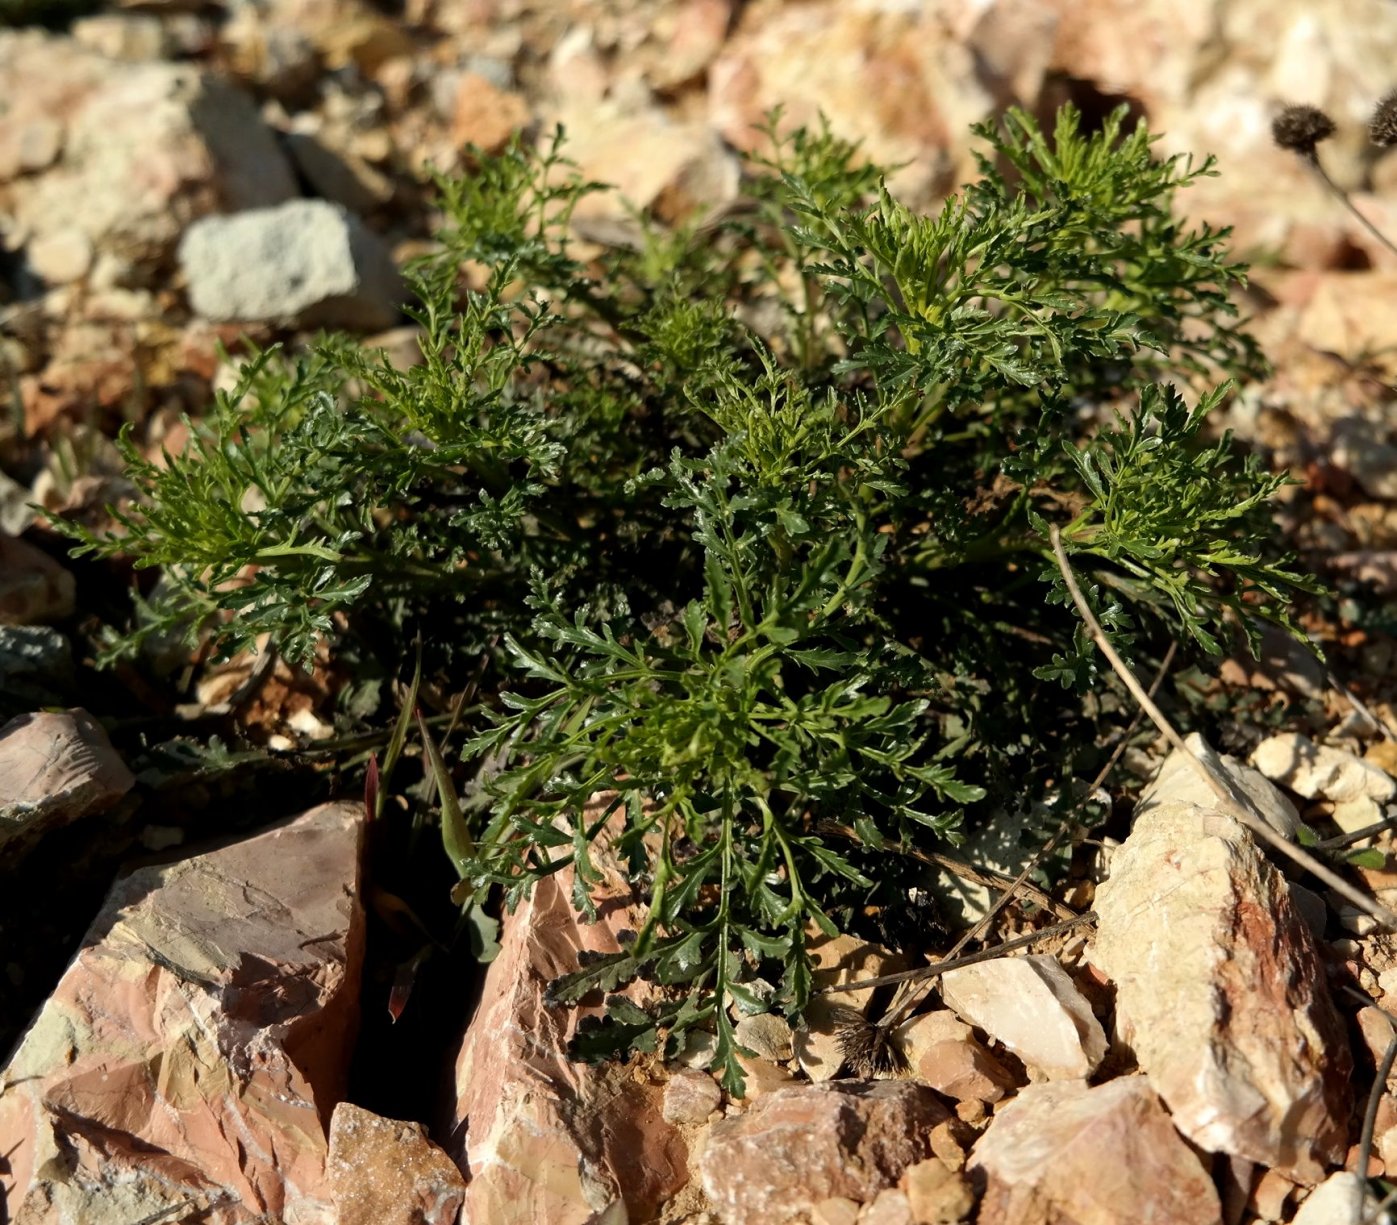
(749,527)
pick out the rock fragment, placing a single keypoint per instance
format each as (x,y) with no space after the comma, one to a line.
(307,261)
(193,1047)
(943,1052)
(1032,1007)
(1335,1201)
(1356,788)
(798,1146)
(541,1136)
(1179,782)
(765,1035)
(387,1172)
(1220,991)
(56,768)
(937,1194)
(125,154)
(34,589)
(690,1097)
(1066,1152)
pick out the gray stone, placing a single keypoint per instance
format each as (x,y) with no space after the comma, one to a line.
(36,662)
(307,262)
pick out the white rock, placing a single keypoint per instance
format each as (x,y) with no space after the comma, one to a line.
(1317,771)
(1032,1007)
(1334,1200)
(1220,991)
(1179,782)
(307,260)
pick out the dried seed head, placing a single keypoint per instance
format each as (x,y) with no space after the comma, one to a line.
(867,1049)
(1301,128)
(1382,128)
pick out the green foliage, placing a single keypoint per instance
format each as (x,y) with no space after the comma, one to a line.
(748,526)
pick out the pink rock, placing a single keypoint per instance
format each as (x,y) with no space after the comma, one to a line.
(894,79)
(34,589)
(796,1147)
(385,1172)
(56,768)
(539,1137)
(690,1096)
(1064,1152)
(1220,991)
(942,1052)
(194,1048)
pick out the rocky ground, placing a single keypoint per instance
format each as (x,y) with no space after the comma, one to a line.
(174,177)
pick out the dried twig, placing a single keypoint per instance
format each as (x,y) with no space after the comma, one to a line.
(1234,804)
(900,1009)
(1370,1118)
(970,959)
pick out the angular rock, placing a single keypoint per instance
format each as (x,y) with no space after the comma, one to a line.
(891,1207)
(895,79)
(676,170)
(690,1097)
(1318,771)
(307,261)
(1179,782)
(798,1146)
(765,1035)
(539,1136)
(1032,1007)
(34,588)
(55,768)
(386,1172)
(818,1046)
(937,1194)
(1335,1201)
(1065,1152)
(1220,991)
(198,1040)
(125,154)
(942,1052)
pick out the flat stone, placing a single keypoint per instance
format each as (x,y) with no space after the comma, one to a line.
(1032,1007)
(837,1210)
(34,589)
(387,1172)
(1318,771)
(1066,1152)
(543,1137)
(307,261)
(1220,992)
(765,1035)
(690,1097)
(801,1145)
(56,768)
(943,1052)
(198,1040)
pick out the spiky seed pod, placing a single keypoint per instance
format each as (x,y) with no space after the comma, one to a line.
(868,1050)
(1382,128)
(1301,128)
